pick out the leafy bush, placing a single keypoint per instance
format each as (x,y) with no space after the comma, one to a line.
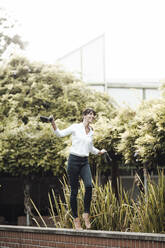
(29,90)
(143,141)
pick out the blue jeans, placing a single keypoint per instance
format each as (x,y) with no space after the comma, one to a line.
(79,167)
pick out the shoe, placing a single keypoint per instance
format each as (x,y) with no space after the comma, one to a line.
(86,219)
(77,224)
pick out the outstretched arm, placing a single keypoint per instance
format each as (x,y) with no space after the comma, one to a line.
(54,124)
(61,133)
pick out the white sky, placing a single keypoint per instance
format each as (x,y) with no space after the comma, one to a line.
(134,32)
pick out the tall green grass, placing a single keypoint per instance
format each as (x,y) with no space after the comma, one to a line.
(107,212)
(149,211)
(146,214)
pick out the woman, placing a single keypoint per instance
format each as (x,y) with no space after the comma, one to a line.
(78,164)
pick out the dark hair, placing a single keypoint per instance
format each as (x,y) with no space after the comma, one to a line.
(88,111)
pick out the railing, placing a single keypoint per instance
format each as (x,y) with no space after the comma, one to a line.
(129,93)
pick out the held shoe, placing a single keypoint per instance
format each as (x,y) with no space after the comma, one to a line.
(86,219)
(77,224)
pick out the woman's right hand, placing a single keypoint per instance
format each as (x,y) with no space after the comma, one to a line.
(51,118)
(53,122)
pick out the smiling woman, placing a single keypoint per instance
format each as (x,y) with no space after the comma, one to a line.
(78,165)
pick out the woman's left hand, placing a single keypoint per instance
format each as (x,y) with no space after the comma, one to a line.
(102,151)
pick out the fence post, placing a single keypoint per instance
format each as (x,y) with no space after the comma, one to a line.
(27,203)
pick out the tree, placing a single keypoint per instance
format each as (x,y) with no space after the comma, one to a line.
(27,90)
(143,142)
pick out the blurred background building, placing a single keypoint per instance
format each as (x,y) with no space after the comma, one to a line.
(89,64)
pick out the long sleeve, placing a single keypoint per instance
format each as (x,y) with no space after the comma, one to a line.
(94,150)
(64,132)
(81,142)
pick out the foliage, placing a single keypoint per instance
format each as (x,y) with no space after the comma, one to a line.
(29,90)
(108,213)
(26,150)
(110,137)
(150,209)
(143,142)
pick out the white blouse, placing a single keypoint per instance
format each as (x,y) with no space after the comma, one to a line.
(82,143)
